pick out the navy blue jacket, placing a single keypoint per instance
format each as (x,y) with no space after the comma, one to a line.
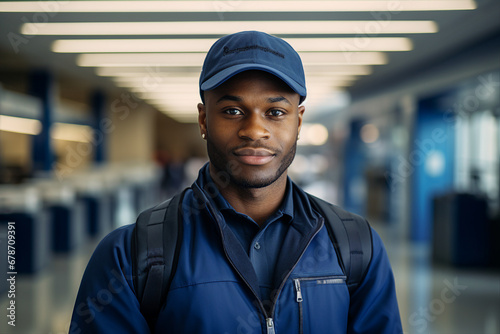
(215,291)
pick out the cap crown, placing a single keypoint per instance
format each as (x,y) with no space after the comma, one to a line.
(252,50)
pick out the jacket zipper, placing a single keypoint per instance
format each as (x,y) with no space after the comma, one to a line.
(268,317)
(321,280)
(270,325)
(269,320)
(299,301)
(299,292)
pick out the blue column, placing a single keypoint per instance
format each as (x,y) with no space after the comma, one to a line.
(432,163)
(354,166)
(98,101)
(42,85)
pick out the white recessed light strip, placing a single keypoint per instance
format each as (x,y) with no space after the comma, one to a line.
(183,81)
(202,45)
(354,69)
(228,27)
(231,6)
(140,59)
(71,132)
(152,72)
(362,44)
(22,125)
(170,95)
(195,59)
(141,86)
(343,58)
(188,108)
(156,80)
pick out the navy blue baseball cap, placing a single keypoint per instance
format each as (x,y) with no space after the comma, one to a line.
(252,50)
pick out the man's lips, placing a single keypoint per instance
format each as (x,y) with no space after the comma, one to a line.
(254,156)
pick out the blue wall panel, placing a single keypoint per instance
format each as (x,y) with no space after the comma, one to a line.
(431,161)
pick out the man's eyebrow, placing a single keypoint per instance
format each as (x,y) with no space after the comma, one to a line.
(229,98)
(278,99)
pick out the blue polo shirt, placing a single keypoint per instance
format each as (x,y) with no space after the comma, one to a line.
(262,243)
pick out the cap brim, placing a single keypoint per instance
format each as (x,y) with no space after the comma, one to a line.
(229,72)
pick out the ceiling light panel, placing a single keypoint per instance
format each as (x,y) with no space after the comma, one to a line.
(232,6)
(151,70)
(195,71)
(350,44)
(343,58)
(337,70)
(195,59)
(20,125)
(229,27)
(140,59)
(203,45)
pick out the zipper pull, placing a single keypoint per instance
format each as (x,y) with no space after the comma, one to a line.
(270,325)
(299,292)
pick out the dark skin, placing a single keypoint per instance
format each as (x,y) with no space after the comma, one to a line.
(251,123)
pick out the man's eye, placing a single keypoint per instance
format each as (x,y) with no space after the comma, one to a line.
(233,112)
(276,112)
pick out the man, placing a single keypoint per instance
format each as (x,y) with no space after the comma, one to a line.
(255,257)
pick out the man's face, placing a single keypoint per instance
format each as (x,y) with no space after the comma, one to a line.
(251,124)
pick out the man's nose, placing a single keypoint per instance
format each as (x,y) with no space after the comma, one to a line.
(254,128)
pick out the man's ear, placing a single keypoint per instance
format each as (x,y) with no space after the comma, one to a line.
(301,114)
(202,119)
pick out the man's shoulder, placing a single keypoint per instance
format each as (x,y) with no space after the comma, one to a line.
(117,243)
(327,207)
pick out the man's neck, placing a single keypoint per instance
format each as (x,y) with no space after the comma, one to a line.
(257,203)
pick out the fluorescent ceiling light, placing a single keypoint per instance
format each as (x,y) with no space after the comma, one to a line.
(20,125)
(342,71)
(152,87)
(154,83)
(169,95)
(179,105)
(159,79)
(203,45)
(215,28)
(140,59)
(187,59)
(343,58)
(71,132)
(351,44)
(234,6)
(132,45)
(181,81)
(184,109)
(195,71)
(149,70)
(354,69)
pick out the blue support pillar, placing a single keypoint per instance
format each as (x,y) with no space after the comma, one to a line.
(41,85)
(432,160)
(98,104)
(354,167)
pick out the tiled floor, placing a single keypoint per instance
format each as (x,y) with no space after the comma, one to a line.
(435,300)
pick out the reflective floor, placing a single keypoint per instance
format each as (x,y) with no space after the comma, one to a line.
(432,299)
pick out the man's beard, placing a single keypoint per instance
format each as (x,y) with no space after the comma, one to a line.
(221,163)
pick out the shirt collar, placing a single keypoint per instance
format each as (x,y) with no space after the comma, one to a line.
(206,184)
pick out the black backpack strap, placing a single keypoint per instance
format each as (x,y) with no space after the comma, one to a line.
(155,249)
(351,237)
